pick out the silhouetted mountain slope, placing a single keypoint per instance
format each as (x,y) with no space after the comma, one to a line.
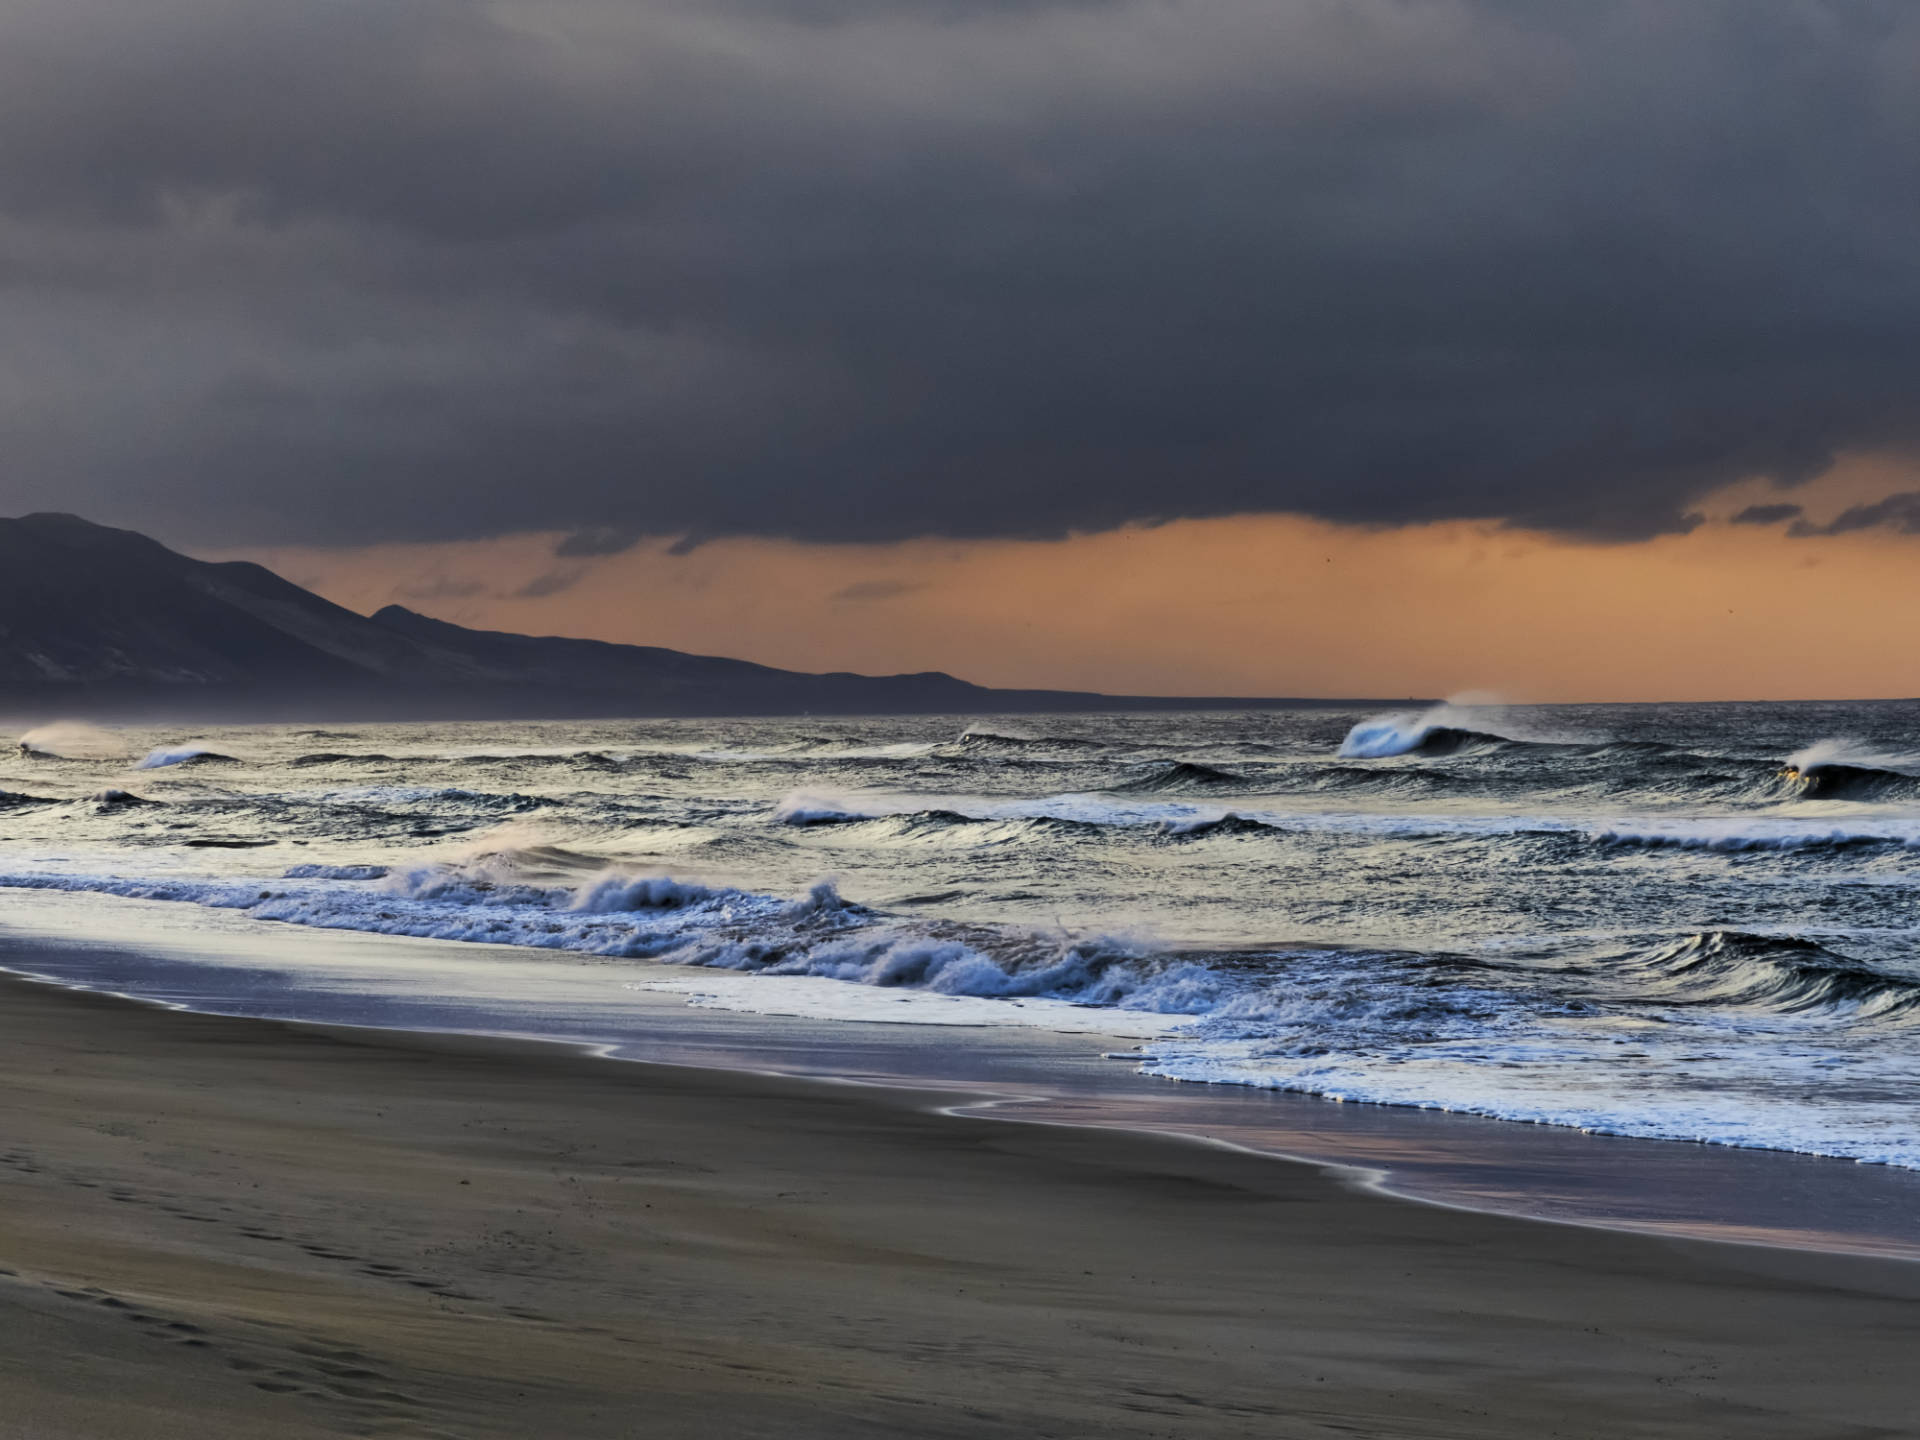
(84,607)
(97,620)
(671,680)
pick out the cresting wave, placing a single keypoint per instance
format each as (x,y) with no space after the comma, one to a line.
(1781,975)
(1443,730)
(548,897)
(1825,770)
(1841,770)
(1183,775)
(1436,1030)
(509,898)
(183,755)
(1852,782)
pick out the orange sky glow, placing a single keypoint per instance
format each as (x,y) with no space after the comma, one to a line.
(1251,605)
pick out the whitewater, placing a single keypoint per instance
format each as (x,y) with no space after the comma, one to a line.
(1690,923)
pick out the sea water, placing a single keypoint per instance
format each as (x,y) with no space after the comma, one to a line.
(1681,922)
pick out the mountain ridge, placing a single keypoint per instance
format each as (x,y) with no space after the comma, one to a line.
(100,621)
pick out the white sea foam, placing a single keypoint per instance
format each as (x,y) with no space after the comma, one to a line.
(1705,1099)
(818,998)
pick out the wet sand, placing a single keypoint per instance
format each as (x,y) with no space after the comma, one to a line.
(223,1228)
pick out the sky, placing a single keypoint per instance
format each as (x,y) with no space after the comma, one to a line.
(1560,348)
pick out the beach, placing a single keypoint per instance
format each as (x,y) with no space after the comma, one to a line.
(231,1227)
(1037,720)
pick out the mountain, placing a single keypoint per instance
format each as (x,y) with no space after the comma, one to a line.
(101,621)
(87,610)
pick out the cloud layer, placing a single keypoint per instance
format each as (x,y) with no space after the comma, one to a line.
(351,270)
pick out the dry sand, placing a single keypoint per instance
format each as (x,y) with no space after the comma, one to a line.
(222,1228)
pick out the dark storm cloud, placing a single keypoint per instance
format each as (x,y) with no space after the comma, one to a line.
(550,582)
(598,540)
(345,270)
(1899,513)
(1767,514)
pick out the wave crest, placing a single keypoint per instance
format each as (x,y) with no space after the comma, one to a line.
(1216,825)
(994,740)
(1443,730)
(1781,974)
(167,756)
(1182,775)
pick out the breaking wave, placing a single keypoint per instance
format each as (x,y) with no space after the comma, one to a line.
(511,896)
(1443,730)
(1850,782)
(497,898)
(168,756)
(1840,770)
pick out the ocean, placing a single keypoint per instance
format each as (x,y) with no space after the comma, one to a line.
(1673,922)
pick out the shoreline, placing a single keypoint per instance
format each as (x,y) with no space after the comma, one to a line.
(220,1226)
(1477,1164)
(1019,1074)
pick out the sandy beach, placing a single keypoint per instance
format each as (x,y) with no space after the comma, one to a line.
(220,1227)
